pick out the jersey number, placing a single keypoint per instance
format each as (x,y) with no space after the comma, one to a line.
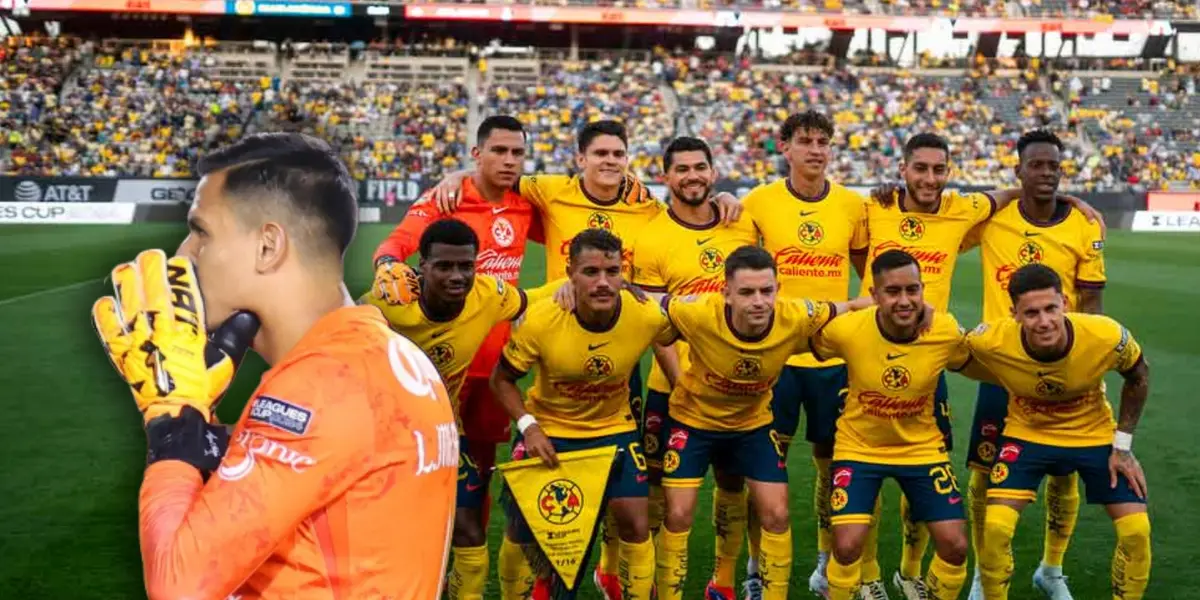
(944,480)
(639,459)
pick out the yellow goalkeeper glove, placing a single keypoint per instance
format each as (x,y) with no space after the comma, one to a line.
(395,283)
(154,333)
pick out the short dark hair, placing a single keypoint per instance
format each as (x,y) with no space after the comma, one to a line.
(595,239)
(892,260)
(748,257)
(685,144)
(1033,277)
(809,119)
(301,172)
(595,129)
(450,232)
(494,122)
(1037,136)
(926,140)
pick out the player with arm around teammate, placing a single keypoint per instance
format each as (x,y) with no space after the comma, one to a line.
(1052,363)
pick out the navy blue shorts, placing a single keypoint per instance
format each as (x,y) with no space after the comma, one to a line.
(932,491)
(654,428)
(821,390)
(991,408)
(756,454)
(471,490)
(636,401)
(1021,465)
(941,402)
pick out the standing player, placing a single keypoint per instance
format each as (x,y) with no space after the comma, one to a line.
(815,229)
(1038,228)
(502,221)
(347,445)
(1052,362)
(890,426)
(682,251)
(720,412)
(579,399)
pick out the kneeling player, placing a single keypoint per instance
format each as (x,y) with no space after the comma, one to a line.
(1059,422)
(889,426)
(719,410)
(579,399)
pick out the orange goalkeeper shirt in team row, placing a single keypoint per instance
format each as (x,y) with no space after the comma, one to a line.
(339,480)
(503,229)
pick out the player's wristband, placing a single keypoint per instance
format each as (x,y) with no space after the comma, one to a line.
(384,260)
(524,422)
(1123,441)
(188,438)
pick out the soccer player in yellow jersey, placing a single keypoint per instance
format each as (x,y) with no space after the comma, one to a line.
(720,415)
(682,251)
(1039,228)
(815,230)
(890,428)
(1052,363)
(452,317)
(579,398)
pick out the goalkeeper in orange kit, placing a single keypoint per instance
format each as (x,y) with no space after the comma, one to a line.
(339,476)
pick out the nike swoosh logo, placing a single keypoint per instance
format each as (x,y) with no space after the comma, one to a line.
(472,488)
(597,346)
(807,213)
(895,356)
(703,241)
(1031,234)
(498,209)
(956,500)
(439,334)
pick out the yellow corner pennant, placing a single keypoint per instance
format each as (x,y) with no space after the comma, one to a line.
(562,506)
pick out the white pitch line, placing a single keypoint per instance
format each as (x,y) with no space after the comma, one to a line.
(61,288)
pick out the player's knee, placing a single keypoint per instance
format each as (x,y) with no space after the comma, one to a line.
(1133,533)
(468,528)
(633,526)
(774,518)
(953,550)
(678,518)
(846,550)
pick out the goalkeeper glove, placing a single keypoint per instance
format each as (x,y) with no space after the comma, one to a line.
(395,282)
(154,333)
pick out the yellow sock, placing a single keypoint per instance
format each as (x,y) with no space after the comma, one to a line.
(916,540)
(636,569)
(870,554)
(610,551)
(753,538)
(1062,509)
(843,579)
(1131,560)
(944,580)
(516,578)
(729,523)
(671,558)
(996,560)
(821,493)
(977,507)
(775,564)
(658,507)
(468,573)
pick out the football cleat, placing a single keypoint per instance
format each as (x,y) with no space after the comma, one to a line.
(753,587)
(818,583)
(712,592)
(1053,585)
(608,584)
(874,590)
(976,587)
(911,588)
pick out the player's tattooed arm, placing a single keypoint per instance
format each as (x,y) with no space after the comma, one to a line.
(1134,393)
(1091,300)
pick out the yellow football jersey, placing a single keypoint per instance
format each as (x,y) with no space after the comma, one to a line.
(451,344)
(1062,402)
(811,240)
(581,387)
(680,259)
(727,386)
(889,414)
(1068,244)
(932,238)
(567,209)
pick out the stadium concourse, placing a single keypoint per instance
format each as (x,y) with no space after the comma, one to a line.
(148,108)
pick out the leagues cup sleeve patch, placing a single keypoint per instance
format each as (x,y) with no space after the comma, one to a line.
(281,414)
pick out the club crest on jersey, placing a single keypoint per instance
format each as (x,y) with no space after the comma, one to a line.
(600,221)
(912,228)
(503,232)
(999,473)
(839,499)
(711,260)
(650,441)
(441,354)
(598,366)
(810,233)
(1029,253)
(560,501)
(1046,387)
(670,461)
(987,451)
(896,378)
(746,368)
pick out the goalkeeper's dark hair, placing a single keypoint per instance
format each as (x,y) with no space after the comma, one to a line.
(892,260)
(299,176)
(685,144)
(594,239)
(748,257)
(497,122)
(588,133)
(926,140)
(1037,136)
(1031,278)
(450,232)
(809,120)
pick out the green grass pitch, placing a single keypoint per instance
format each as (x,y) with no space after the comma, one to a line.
(73,450)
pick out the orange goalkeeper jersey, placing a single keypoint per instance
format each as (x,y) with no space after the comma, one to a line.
(339,480)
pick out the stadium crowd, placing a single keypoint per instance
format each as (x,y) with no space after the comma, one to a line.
(70,108)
